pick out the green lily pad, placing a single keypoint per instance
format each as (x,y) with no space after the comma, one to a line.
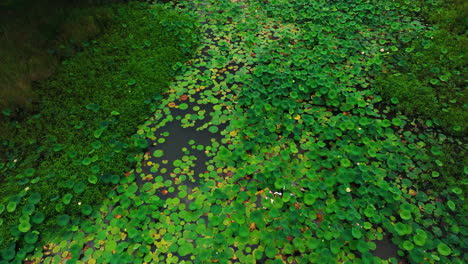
(11,206)
(29,172)
(28,209)
(356,232)
(96,144)
(451,205)
(31,237)
(24,227)
(407,245)
(405,215)
(271,251)
(63,220)
(79,187)
(158,153)
(86,209)
(309,199)
(67,198)
(185,249)
(213,129)
(403,229)
(92,179)
(38,218)
(443,249)
(420,238)
(183,106)
(244,231)
(345,163)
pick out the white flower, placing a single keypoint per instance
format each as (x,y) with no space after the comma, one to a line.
(348,189)
(79,203)
(382,50)
(26,189)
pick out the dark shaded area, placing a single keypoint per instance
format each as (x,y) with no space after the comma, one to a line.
(35,36)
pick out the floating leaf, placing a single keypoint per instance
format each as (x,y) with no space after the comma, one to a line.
(444,249)
(67,198)
(141,143)
(407,245)
(31,237)
(397,121)
(457,190)
(271,251)
(24,227)
(38,218)
(92,179)
(356,232)
(213,129)
(28,209)
(309,199)
(185,249)
(420,238)
(34,198)
(158,153)
(405,214)
(29,172)
(96,144)
(403,229)
(11,206)
(451,205)
(86,209)
(345,163)
(86,161)
(62,220)
(183,106)
(79,187)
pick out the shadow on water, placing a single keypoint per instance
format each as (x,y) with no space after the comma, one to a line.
(385,249)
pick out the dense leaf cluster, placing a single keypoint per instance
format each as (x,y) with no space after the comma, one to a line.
(273,146)
(63,160)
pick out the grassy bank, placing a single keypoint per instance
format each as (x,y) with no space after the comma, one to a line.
(35,36)
(425,80)
(58,163)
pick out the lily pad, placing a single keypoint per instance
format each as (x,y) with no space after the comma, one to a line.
(24,227)
(63,220)
(158,153)
(443,249)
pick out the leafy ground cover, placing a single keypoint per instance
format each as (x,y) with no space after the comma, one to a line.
(426,79)
(270,147)
(61,162)
(431,66)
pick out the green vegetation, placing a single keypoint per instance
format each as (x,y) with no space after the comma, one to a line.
(277,144)
(425,79)
(61,161)
(427,76)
